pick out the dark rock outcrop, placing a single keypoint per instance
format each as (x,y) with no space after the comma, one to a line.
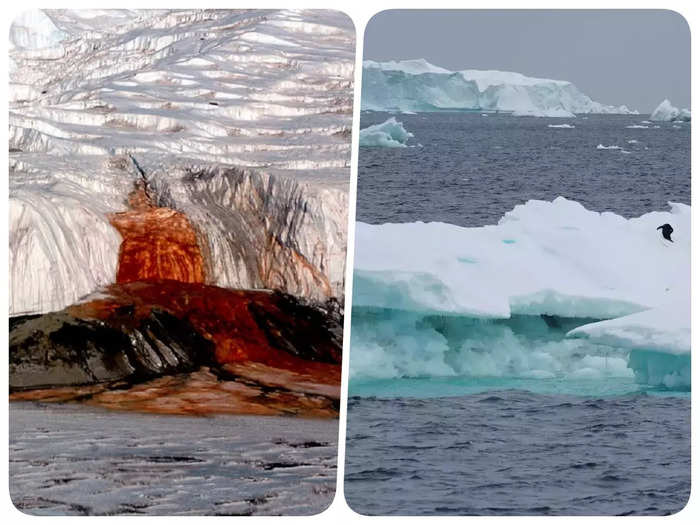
(173,347)
(58,349)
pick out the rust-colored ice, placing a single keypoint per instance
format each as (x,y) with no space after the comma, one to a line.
(159,243)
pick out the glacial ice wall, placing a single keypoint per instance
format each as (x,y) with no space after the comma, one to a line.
(416,85)
(552,290)
(204,106)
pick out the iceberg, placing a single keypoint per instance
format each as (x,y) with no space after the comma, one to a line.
(666,112)
(530,296)
(389,134)
(417,85)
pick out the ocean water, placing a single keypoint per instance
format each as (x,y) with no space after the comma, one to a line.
(77,460)
(513,452)
(508,442)
(469,170)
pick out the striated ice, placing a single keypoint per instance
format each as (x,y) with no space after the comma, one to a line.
(238,118)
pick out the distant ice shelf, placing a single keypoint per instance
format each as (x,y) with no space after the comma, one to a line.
(417,85)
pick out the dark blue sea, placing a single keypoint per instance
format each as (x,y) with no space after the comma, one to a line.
(469,170)
(499,446)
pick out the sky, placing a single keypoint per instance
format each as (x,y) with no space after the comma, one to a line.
(634,57)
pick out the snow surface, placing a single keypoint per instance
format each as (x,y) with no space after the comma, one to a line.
(179,92)
(666,112)
(541,258)
(388,134)
(417,85)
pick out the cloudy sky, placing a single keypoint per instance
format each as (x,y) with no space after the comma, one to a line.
(635,57)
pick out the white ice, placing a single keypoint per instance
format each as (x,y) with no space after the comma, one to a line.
(389,134)
(666,112)
(554,258)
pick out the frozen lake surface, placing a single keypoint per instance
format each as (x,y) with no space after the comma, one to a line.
(77,460)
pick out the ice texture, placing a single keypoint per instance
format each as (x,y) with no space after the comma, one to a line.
(33,30)
(621,287)
(416,85)
(666,112)
(69,459)
(238,118)
(388,134)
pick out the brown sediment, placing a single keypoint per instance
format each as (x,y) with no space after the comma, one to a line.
(244,325)
(278,256)
(198,393)
(158,243)
(275,356)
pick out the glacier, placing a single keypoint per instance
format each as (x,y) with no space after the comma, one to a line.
(239,119)
(388,134)
(418,86)
(666,112)
(552,290)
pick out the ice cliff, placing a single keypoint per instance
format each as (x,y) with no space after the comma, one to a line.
(417,85)
(237,120)
(668,113)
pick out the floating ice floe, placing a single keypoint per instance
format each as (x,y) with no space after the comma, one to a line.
(389,134)
(553,289)
(613,146)
(417,85)
(562,126)
(666,112)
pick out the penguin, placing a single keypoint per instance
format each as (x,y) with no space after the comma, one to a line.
(666,231)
